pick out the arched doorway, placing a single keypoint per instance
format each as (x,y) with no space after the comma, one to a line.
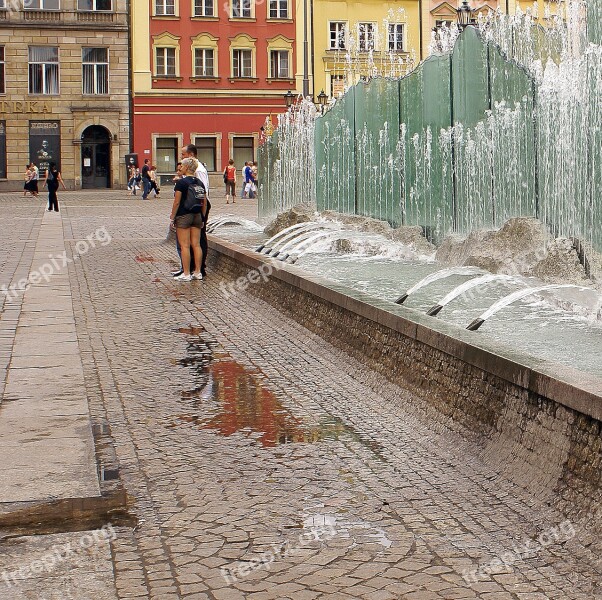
(96,157)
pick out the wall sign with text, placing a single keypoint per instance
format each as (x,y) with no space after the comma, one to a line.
(45,143)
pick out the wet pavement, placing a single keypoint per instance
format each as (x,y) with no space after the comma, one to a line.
(260,461)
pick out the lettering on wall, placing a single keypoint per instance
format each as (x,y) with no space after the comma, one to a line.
(25,107)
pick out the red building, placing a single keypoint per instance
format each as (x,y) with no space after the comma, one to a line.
(208,72)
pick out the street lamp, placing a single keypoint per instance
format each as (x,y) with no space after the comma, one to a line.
(289,99)
(465,15)
(322,101)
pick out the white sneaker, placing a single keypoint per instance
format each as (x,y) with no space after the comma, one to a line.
(198,276)
(183,277)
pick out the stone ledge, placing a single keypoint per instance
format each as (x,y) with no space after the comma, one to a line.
(571,388)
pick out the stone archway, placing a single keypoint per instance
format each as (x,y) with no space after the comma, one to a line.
(96,157)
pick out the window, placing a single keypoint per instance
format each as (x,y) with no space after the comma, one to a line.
(42,5)
(242,150)
(43,70)
(165,62)
(396,37)
(94,4)
(241,9)
(279,64)
(366,36)
(203,62)
(2,72)
(338,35)
(203,8)
(278,9)
(166,154)
(242,63)
(337,85)
(95,70)
(206,151)
(165,8)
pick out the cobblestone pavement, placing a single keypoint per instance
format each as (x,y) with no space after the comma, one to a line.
(263,463)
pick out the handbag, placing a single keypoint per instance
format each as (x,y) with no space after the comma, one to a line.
(226,175)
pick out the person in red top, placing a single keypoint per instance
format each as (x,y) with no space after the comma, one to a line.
(230,181)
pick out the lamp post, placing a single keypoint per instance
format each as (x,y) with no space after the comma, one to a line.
(289,99)
(322,101)
(465,15)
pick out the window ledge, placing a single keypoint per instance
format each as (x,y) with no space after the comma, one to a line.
(333,50)
(167,78)
(197,79)
(167,17)
(278,20)
(201,18)
(288,80)
(242,20)
(243,79)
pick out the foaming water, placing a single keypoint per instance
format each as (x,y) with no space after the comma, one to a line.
(536,325)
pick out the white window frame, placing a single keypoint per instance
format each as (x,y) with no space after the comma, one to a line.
(27,5)
(246,7)
(398,38)
(164,50)
(279,13)
(203,12)
(368,30)
(2,70)
(44,81)
(94,7)
(280,53)
(204,51)
(340,42)
(161,6)
(95,66)
(234,75)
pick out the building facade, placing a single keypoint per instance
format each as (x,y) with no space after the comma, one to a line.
(208,73)
(64,90)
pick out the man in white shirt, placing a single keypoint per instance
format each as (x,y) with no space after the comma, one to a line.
(190,151)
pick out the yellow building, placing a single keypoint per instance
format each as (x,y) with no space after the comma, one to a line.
(350,40)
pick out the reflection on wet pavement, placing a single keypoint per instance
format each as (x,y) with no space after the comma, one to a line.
(229,398)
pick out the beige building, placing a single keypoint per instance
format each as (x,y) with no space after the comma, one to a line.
(64,68)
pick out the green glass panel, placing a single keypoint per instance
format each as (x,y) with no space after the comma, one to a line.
(512,133)
(376,140)
(335,157)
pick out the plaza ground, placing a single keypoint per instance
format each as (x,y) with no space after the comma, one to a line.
(259,461)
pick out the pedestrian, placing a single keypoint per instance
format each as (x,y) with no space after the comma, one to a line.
(188,224)
(146,181)
(132,180)
(190,151)
(32,185)
(153,178)
(52,182)
(254,171)
(230,181)
(244,173)
(27,176)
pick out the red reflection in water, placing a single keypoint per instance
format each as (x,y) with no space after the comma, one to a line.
(246,404)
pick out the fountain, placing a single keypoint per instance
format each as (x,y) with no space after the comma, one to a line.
(435,277)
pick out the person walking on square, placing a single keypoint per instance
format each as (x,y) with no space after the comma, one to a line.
(230,180)
(52,182)
(32,185)
(153,177)
(243,187)
(188,224)
(146,180)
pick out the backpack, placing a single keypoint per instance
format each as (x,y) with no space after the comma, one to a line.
(226,175)
(50,176)
(196,197)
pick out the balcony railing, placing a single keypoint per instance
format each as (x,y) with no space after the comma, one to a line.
(42,15)
(95,17)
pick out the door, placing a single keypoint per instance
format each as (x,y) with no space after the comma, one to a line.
(96,158)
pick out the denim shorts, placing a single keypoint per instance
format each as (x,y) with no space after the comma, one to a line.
(189,220)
